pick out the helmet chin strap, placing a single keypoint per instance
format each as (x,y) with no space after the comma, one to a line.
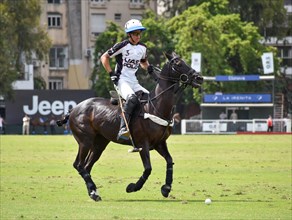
(130,35)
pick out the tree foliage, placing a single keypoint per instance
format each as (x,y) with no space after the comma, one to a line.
(228,45)
(155,37)
(269,16)
(101,82)
(21,36)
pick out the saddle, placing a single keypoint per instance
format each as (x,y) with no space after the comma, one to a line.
(143,97)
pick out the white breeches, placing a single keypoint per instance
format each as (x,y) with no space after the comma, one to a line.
(128,88)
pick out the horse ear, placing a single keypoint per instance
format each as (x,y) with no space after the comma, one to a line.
(168,56)
(174,54)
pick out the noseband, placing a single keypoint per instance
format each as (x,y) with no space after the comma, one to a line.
(179,83)
(184,79)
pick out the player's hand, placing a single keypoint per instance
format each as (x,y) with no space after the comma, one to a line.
(150,69)
(114,77)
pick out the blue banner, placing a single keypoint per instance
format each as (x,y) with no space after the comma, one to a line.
(238,98)
(223,78)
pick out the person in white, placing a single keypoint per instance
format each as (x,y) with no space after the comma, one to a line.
(222,116)
(1,124)
(25,125)
(233,115)
(129,55)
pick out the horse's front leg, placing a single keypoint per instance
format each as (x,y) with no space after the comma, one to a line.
(163,151)
(145,156)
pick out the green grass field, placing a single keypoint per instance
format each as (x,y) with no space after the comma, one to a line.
(246,176)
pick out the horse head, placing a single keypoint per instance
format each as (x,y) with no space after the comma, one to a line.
(179,71)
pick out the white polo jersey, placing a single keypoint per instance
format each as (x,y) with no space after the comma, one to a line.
(128,58)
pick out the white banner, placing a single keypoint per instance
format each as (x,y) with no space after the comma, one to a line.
(268,63)
(196,62)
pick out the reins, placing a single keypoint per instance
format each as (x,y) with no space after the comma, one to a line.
(180,82)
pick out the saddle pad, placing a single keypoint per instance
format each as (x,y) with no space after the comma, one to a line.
(158,120)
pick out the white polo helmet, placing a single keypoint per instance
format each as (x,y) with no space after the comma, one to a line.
(134,25)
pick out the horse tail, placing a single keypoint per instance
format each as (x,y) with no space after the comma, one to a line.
(64,120)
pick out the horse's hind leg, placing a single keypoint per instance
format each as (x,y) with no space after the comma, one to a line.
(163,151)
(79,165)
(85,160)
(100,144)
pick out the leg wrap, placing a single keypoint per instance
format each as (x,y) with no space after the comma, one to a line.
(88,181)
(169,173)
(142,179)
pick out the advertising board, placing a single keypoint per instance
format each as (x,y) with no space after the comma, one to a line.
(43,103)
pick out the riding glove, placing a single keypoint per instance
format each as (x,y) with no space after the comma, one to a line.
(150,69)
(114,77)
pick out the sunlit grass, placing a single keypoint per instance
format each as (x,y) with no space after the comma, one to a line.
(247,177)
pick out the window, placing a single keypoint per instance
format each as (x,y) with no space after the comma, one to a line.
(136,16)
(287,2)
(55,83)
(54,20)
(98,24)
(137,1)
(136,4)
(58,57)
(54,1)
(98,1)
(118,16)
(286,54)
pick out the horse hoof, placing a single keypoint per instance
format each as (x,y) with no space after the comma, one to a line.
(165,190)
(94,196)
(131,188)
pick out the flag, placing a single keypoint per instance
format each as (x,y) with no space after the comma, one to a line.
(268,63)
(196,62)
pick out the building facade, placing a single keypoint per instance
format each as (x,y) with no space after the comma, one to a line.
(73,27)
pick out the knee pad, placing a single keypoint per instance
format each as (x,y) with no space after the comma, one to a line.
(132,99)
(131,103)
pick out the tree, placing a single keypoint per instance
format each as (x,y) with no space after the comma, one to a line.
(173,8)
(269,16)
(228,45)
(101,82)
(157,39)
(21,36)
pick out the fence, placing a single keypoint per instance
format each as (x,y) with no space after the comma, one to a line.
(193,126)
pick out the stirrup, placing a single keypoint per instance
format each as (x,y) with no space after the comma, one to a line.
(134,150)
(124,136)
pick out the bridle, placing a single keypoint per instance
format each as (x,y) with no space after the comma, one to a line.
(179,83)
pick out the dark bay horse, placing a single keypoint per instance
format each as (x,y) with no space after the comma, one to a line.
(95,122)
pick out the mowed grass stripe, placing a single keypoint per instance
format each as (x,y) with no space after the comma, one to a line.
(246,176)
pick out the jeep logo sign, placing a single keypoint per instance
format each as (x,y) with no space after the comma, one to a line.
(45,107)
(43,103)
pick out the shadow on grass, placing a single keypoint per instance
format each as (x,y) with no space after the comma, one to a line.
(186,201)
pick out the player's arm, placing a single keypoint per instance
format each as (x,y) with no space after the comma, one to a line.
(105,60)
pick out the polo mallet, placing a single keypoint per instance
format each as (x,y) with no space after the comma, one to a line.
(135,149)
